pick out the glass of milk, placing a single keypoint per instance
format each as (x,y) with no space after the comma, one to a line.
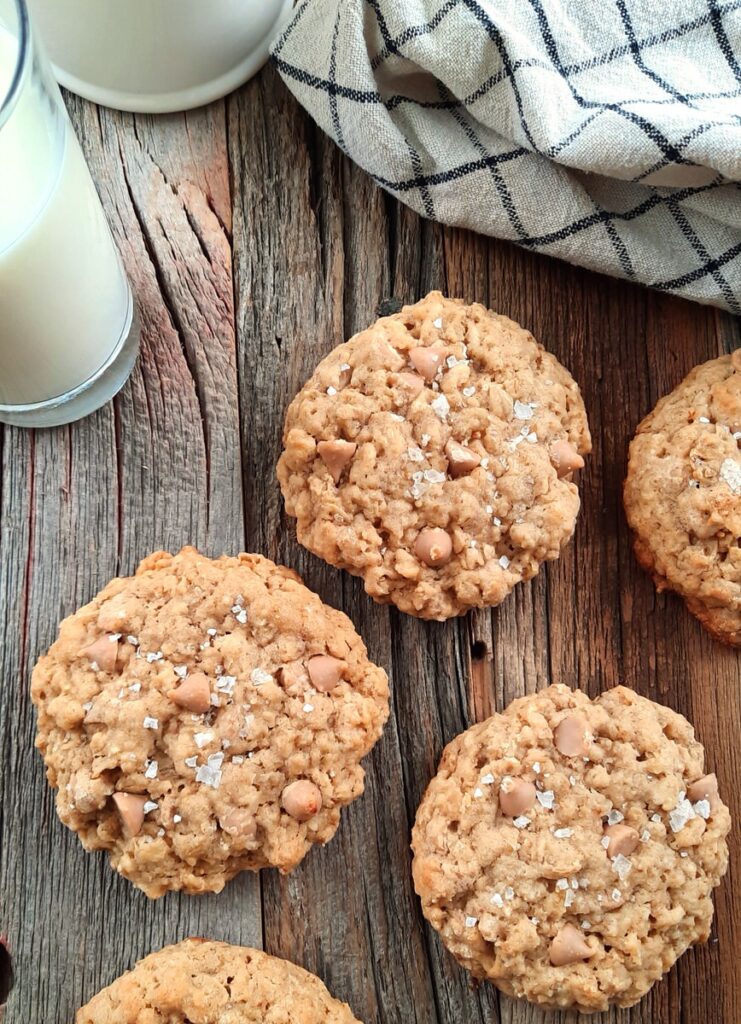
(157,55)
(68,331)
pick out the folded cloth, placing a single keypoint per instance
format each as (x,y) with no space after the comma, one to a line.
(605,132)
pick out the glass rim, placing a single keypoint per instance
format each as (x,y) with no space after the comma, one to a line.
(8,101)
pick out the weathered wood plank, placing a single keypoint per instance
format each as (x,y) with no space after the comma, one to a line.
(160,468)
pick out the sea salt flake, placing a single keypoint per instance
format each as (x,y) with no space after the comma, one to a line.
(509,893)
(237,759)
(415,454)
(181,671)
(331,391)
(470,391)
(438,323)
(425,440)
(563,833)
(214,700)
(209,776)
(191,761)
(523,410)
(478,793)
(202,739)
(568,899)
(645,835)
(515,441)
(308,708)
(150,805)
(702,809)
(681,814)
(434,476)
(487,779)
(135,687)
(586,925)
(258,676)
(616,895)
(496,899)
(702,419)
(497,521)
(154,656)
(151,723)
(572,780)
(177,818)
(504,562)
(521,822)
(574,883)
(211,631)
(471,922)
(546,798)
(240,614)
(535,921)
(614,817)
(605,841)
(133,640)
(730,474)
(622,866)
(536,767)
(655,817)
(87,705)
(441,407)
(151,770)
(485,462)
(226,684)
(562,883)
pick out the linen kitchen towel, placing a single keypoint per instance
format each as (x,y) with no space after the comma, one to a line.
(605,132)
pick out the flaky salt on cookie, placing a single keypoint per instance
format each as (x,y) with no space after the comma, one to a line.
(204,717)
(201,982)
(433,455)
(566,850)
(683,494)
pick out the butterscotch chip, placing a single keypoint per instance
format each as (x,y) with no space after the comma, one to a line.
(683,495)
(463,424)
(200,982)
(178,764)
(585,897)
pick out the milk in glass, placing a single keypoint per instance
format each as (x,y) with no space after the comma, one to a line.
(65,304)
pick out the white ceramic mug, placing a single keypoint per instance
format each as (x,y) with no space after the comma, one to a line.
(157,55)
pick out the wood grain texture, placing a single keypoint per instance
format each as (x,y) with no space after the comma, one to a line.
(255,247)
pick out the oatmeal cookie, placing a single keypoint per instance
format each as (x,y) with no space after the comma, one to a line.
(683,494)
(200,982)
(567,848)
(433,454)
(206,716)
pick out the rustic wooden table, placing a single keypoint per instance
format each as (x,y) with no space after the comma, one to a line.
(255,247)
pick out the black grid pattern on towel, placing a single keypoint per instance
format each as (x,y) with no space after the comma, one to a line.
(696,259)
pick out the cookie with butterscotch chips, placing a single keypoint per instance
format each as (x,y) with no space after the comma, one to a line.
(433,455)
(567,848)
(206,716)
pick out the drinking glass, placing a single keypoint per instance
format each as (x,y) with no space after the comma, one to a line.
(68,328)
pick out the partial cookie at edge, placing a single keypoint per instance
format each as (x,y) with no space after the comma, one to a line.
(682,494)
(195,980)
